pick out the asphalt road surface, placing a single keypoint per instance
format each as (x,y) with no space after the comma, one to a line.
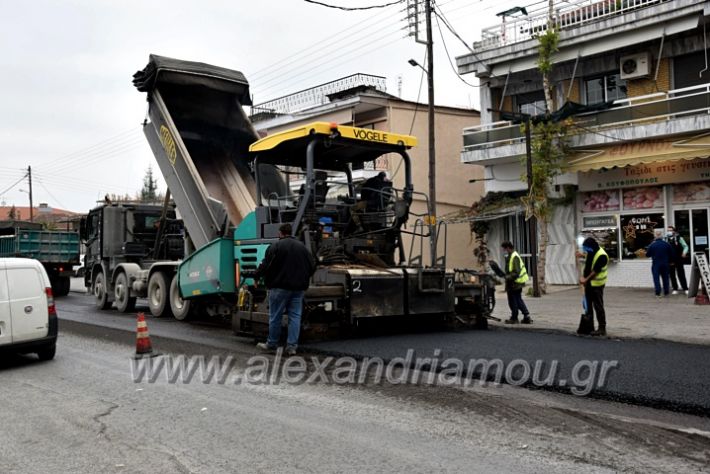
(83,413)
(653,373)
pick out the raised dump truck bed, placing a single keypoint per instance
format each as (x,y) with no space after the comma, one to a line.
(200,136)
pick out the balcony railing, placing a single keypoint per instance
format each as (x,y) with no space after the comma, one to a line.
(631,111)
(567,15)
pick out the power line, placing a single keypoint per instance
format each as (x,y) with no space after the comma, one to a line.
(86,161)
(13,185)
(50,193)
(350,9)
(84,185)
(414,116)
(89,148)
(333,65)
(90,152)
(283,79)
(448,56)
(353,46)
(347,36)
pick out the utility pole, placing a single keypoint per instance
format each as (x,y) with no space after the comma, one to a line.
(532,222)
(29,178)
(432,132)
(413,9)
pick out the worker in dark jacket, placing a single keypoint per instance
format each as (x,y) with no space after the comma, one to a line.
(287,268)
(680,251)
(662,254)
(594,279)
(516,275)
(373,191)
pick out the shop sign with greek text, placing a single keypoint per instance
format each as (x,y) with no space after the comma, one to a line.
(599,222)
(650,174)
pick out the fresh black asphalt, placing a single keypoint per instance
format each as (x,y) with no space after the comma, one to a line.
(649,372)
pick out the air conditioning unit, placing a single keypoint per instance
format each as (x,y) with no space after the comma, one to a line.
(635,66)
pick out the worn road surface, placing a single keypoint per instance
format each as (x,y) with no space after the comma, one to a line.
(83,413)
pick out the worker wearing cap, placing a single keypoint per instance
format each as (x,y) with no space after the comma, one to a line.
(594,279)
(516,275)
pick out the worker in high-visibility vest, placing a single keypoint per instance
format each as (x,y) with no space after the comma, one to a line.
(594,279)
(516,275)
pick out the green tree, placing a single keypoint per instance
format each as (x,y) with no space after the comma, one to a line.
(12,213)
(150,187)
(548,147)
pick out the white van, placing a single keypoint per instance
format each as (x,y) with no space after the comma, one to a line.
(28,318)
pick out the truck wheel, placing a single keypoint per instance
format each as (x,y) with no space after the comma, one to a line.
(179,306)
(47,352)
(159,294)
(125,303)
(100,294)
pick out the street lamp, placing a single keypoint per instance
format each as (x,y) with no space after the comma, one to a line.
(413,62)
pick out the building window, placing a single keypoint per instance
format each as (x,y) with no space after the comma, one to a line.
(637,233)
(650,197)
(531,103)
(600,201)
(605,88)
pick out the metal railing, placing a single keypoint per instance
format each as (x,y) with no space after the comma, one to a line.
(655,107)
(566,15)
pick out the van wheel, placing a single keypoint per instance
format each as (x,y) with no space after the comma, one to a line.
(159,294)
(48,352)
(179,306)
(101,300)
(122,293)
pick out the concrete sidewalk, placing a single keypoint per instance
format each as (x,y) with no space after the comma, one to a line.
(630,312)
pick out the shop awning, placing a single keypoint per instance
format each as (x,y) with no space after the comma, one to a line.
(640,152)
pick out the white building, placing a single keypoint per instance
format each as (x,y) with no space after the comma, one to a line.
(634,75)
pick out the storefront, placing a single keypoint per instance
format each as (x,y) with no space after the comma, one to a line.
(622,206)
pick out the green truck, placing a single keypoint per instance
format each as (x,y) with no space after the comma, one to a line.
(57,250)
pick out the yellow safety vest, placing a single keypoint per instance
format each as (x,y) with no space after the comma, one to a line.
(600,278)
(523,276)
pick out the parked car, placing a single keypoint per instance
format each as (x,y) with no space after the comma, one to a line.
(28,318)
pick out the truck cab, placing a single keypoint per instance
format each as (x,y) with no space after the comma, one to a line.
(124,241)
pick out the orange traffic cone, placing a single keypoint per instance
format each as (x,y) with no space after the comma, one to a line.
(143,346)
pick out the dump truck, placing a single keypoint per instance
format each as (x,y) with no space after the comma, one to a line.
(132,251)
(232,191)
(57,250)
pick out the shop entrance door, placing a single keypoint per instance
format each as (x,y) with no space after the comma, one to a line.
(692,224)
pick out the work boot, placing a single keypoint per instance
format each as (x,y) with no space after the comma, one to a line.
(599,332)
(527,320)
(511,321)
(266,347)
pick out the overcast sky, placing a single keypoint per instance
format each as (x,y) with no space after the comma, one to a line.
(69,110)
